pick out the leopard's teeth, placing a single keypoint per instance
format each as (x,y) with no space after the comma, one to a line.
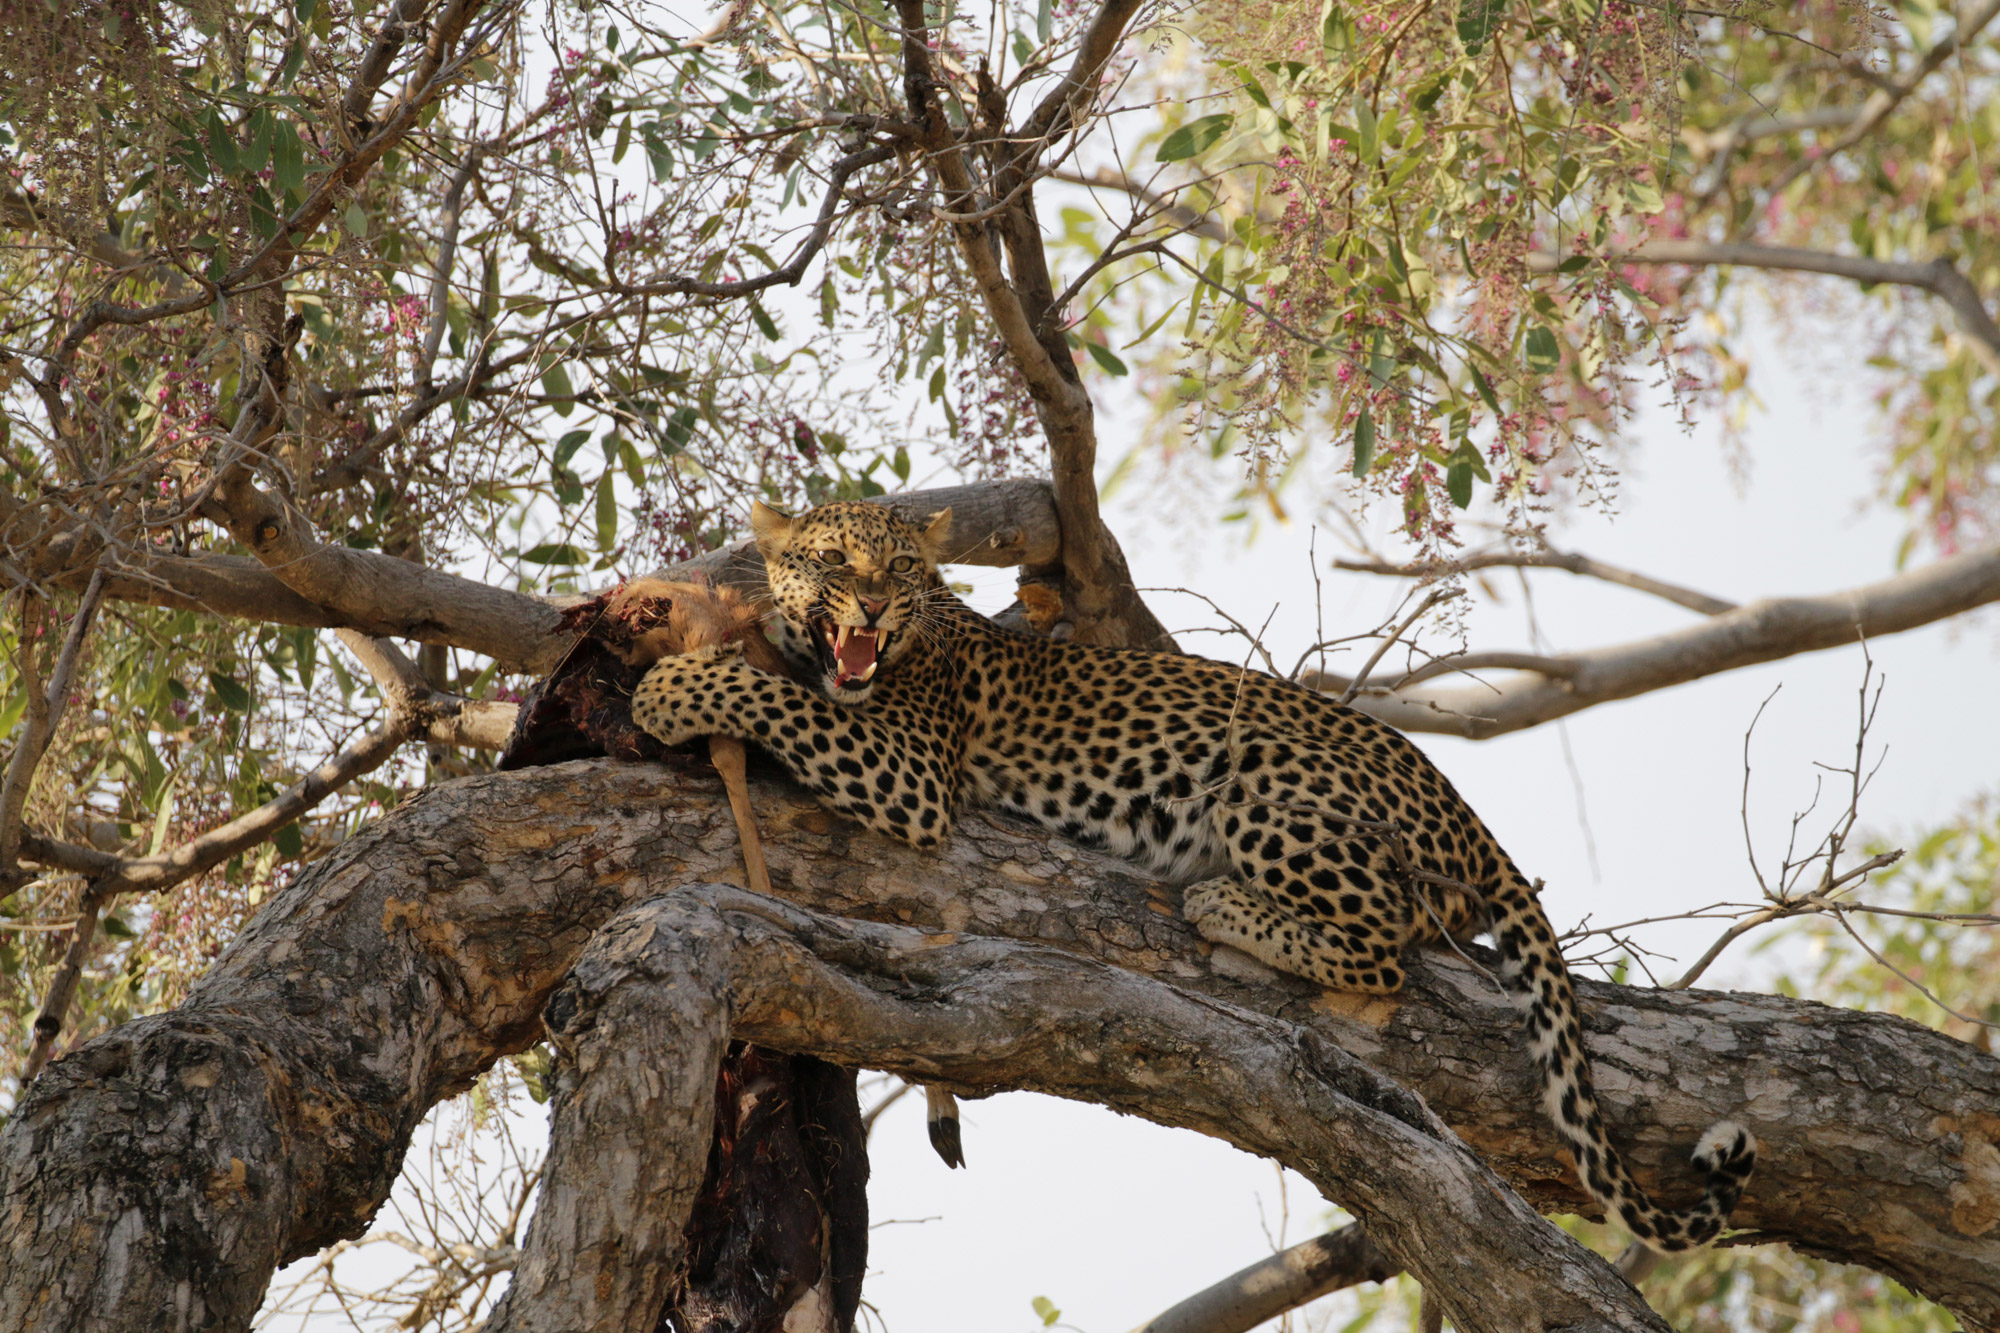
(840,633)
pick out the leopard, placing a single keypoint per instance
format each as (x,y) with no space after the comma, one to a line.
(1305,833)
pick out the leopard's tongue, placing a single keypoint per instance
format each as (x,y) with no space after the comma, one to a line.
(854,656)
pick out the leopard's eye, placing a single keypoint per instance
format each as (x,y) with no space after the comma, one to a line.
(832,557)
(903,564)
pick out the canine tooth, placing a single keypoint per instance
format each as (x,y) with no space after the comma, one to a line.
(868,673)
(839,637)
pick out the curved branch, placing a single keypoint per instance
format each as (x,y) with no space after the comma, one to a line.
(666,984)
(794,269)
(393,972)
(1761,631)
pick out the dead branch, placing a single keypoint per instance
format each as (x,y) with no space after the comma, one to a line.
(1760,631)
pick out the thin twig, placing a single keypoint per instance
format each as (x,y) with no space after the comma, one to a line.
(45,710)
(1435,596)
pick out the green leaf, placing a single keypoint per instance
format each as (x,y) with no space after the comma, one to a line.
(1153,328)
(1644,197)
(937,384)
(289,840)
(165,818)
(900,464)
(1486,393)
(17,703)
(117,928)
(1544,354)
(1477,20)
(1364,441)
(607,513)
(554,553)
(829,301)
(288,157)
(567,446)
(305,9)
(1458,484)
(1044,20)
(1195,137)
(1106,359)
(1369,146)
(555,383)
(1045,1309)
(355,221)
(230,691)
(624,138)
(764,323)
(1332,30)
(221,145)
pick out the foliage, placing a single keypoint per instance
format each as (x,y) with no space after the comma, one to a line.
(1413,230)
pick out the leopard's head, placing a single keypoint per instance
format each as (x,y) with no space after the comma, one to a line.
(852,584)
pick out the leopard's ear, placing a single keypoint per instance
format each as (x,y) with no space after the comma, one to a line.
(773,529)
(936,534)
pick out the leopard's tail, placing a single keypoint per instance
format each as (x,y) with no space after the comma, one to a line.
(941,1119)
(1725,1155)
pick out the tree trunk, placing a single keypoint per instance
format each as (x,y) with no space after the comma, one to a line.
(157,1176)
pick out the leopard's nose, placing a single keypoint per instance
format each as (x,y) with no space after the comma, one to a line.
(873,606)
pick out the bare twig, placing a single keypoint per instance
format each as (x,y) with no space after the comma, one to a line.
(1431,599)
(45,709)
(1575,564)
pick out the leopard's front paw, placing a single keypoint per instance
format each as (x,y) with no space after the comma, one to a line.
(675,700)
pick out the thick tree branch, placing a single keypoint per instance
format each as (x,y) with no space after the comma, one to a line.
(1761,631)
(397,969)
(665,984)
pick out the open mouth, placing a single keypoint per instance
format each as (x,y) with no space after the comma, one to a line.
(856,651)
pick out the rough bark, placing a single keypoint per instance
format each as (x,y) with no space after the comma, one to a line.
(1003,1011)
(157,1176)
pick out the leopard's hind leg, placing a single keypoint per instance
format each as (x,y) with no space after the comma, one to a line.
(1314,892)
(1224,910)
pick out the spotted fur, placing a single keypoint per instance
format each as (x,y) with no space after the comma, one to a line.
(1311,836)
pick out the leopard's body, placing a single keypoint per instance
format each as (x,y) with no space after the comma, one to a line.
(1310,835)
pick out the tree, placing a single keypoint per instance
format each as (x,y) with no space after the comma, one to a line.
(320,316)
